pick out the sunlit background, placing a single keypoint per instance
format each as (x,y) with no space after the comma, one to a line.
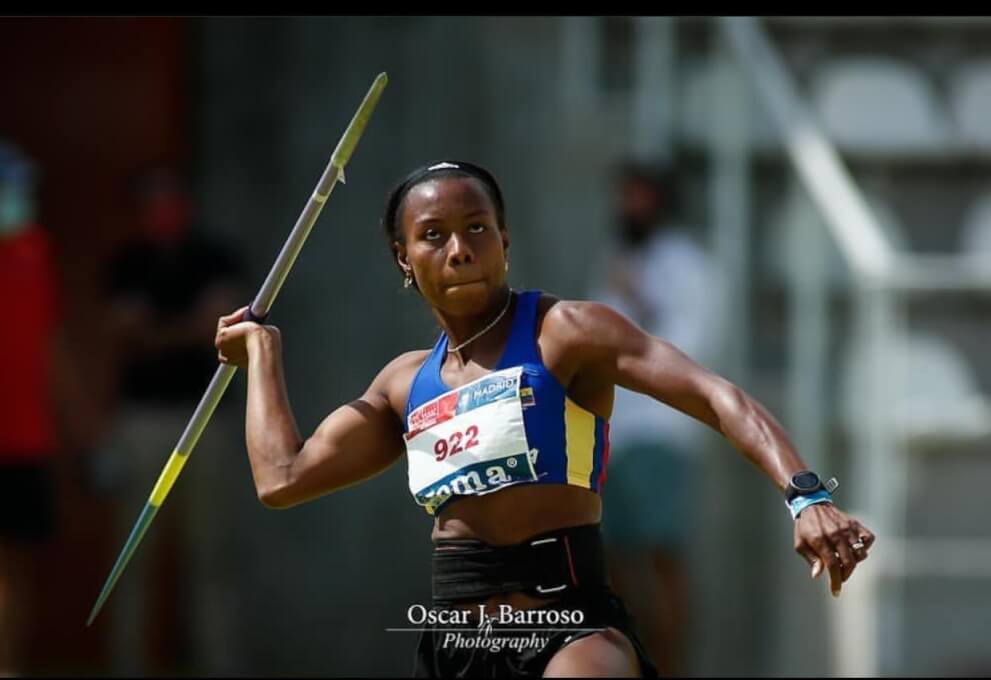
(836,169)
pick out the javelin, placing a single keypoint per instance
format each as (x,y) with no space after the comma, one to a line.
(257,311)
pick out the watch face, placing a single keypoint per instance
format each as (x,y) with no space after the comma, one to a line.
(805,481)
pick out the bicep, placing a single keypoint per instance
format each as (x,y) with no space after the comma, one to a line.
(657,368)
(355,442)
(620,353)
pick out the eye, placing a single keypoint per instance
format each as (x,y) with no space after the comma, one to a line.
(477,228)
(431,234)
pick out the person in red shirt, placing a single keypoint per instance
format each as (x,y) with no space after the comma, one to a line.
(27,417)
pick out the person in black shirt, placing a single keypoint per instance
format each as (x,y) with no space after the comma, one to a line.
(166,288)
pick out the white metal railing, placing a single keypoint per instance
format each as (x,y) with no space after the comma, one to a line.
(858,235)
(882,277)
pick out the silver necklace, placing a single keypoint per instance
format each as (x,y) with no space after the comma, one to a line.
(482,332)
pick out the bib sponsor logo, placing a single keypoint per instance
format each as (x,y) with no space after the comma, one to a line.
(486,390)
(477,479)
(440,409)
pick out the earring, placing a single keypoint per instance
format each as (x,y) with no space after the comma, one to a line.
(408,281)
(507,265)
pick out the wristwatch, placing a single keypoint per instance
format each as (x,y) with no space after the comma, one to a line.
(805,483)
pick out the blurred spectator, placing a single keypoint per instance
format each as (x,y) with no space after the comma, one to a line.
(28,441)
(167,289)
(663,280)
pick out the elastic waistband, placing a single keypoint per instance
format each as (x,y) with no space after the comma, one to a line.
(545,565)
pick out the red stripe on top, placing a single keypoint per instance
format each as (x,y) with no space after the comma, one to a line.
(605,457)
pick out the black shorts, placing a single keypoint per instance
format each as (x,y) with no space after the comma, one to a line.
(523,648)
(27,502)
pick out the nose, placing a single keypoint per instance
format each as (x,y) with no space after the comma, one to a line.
(458,250)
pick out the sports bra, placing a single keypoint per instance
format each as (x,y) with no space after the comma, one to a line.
(514,425)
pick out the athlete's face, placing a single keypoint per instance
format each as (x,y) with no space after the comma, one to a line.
(454,246)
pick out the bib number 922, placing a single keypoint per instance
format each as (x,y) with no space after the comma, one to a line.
(456,442)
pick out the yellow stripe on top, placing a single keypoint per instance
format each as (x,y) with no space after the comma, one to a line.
(579,433)
(167,478)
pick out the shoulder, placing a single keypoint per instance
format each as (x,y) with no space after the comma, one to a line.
(393,381)
(403,367)
(573,319)
(573,332)
(581,343)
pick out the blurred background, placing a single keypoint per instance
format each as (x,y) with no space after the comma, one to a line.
(828,178)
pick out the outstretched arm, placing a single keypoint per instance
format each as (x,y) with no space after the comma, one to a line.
(605,347)
(355,442)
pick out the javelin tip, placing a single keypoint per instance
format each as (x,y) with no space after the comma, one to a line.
(130,546)
(345,147)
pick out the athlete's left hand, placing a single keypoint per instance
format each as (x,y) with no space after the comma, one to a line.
(830,540)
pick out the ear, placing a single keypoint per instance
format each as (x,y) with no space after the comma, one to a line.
(399,250)
(505,242)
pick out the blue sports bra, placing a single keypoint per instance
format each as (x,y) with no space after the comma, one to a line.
(515,425)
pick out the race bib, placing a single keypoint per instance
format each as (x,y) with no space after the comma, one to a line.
(469,441)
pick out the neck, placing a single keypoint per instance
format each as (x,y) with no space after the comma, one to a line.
(461,328)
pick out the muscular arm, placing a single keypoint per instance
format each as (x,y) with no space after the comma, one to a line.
(355,442)
(601,347)
(596,348)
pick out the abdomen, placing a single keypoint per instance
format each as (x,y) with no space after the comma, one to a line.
(514,514)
